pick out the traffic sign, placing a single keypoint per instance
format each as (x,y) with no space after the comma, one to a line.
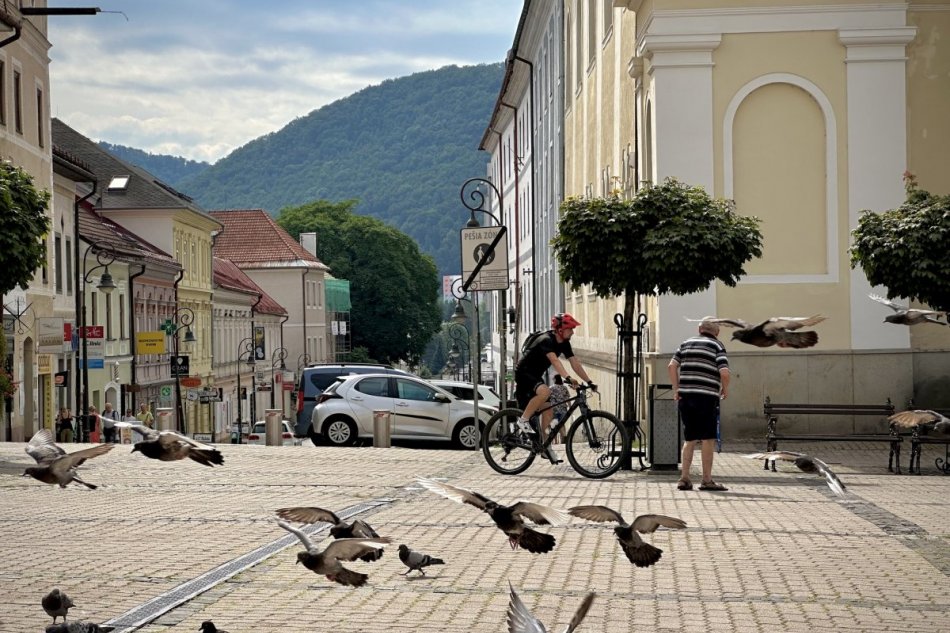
(486,243)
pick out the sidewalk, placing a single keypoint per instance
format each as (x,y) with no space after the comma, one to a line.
(776,552)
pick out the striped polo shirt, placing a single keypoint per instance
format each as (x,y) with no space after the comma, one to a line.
(700,358)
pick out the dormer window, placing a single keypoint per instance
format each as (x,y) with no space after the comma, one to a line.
(119,183)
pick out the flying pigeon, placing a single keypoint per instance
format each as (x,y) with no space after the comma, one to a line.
(328,562)
(80,626)
(509,519)
(356,529)
(806,463)
(520,619)
(56,466)
(168,446)
(904,315)
(640,554)
(910,419)
(415,561)
(56,603)
(775,331)
(208,627)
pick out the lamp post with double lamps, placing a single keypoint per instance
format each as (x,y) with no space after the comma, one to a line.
(245,352)
(105,255)
(182,318)
(460,343)
(277,362)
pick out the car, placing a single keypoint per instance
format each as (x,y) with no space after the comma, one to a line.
(464,391)
(258,434)
(315,378)
(420,411)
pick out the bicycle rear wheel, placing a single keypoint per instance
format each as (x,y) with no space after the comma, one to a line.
(507,450)
(597,444)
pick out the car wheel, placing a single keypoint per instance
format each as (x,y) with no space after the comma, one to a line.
(466,435)
(340,432)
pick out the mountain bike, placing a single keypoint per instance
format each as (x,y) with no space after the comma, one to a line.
(597,442)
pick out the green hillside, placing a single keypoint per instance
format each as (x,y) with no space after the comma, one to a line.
(403,148)
(169,169)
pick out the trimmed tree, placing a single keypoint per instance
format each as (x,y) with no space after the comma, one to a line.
(669,238)
(905,249)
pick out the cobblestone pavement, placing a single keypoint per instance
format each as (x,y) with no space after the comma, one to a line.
(775,553)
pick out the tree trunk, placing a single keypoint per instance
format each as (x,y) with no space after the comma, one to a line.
(629,368)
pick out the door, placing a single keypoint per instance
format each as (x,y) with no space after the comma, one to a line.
(418,412)
(368,395)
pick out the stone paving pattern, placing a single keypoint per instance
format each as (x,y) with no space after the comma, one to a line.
(777,552)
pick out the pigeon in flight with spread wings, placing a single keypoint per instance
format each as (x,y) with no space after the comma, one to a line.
(910,419)
(509,519)
(55,465)
(340,529)
(640,554)
(329,562)
(774,331)
(521,620)
(904,315)
(807,464)
(168,446)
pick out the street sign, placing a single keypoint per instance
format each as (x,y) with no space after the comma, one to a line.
(180,365)
(150,342)
(193,395)
(166,391)
(190,381)
(95,349)
(486,243)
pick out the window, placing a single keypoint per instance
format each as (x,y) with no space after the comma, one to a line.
(95,309)
(591,34)
(3,92)
(374,387)
(58,262)
(39,117)
(578,71)
(109,336)
(122,333)
(69,266)
(608,18)
(409,390)
(17,113)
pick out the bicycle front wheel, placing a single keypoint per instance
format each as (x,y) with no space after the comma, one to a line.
(597,444)
(507,450)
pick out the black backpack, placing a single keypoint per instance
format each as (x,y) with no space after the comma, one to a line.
(531,339)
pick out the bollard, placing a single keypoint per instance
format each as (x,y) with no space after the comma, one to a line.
(273,429)
(382,429)
(165,419)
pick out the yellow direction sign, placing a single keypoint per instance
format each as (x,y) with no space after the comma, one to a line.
(150,342)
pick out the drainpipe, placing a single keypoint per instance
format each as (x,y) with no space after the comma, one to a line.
(534,184)
(132,332)
(303,312)
(80,305)
(179,407)
(517,208)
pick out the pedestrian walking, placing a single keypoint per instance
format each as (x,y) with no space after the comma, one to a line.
(144,416)
(109,418)
(64,425)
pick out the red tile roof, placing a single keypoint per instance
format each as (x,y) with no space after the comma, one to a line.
(228,275)
(251,236)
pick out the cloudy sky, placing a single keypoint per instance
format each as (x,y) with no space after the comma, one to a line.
(199,78)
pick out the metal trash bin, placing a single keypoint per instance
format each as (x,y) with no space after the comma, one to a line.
(665,427)
(382,429)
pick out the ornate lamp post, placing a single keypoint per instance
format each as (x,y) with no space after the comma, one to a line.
(182,318)
(245,352)
(460,337)
(277,361)
(105,255)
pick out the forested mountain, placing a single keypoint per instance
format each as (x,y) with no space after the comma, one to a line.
(402,148)
(169,169)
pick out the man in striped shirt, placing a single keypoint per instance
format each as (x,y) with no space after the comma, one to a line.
(699,373)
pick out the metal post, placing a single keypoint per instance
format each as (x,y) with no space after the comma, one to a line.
(238,402)
(476,356)
(179,410)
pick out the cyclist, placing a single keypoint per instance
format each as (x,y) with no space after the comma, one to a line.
(531,391)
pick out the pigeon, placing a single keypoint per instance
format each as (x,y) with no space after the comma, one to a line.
(168,446)
(509,519)
(80,626)
(775,331)
(356,529)
(328,562)
(56,466)
(910,419)
(520,619)
(208,627)
(415,561)
(904,315)
(639,553)
(806,463)
(56,603)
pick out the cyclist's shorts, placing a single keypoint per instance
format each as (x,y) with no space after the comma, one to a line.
(526,387)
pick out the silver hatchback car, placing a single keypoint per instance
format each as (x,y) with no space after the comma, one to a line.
(420,411)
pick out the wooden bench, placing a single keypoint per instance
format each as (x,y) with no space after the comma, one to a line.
(922,435)
(774,410)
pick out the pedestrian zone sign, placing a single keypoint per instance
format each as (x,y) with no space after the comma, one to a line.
(486,243)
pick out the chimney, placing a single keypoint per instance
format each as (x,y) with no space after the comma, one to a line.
(309,242)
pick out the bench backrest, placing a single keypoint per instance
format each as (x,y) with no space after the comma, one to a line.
(774,408)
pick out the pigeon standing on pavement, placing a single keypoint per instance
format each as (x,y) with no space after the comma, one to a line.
(509,519)
(328,562)
(168,446)
(56,603)
(80,626)
(415,561)
(521,620)
(639,553)
(807,464)
(910,419)
(56,466)
(904,315)
(208,627)
(340,529)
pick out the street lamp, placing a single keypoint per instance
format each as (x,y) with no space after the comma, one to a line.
(181,318)
(245,348)
(460,343)
(277,360)
(105,255)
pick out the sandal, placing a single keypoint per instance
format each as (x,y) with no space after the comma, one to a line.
(684,484)
(712,485)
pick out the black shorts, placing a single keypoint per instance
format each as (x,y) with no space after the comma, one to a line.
(700,416)
(526,387)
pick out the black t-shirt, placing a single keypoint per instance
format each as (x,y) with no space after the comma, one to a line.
(535,361)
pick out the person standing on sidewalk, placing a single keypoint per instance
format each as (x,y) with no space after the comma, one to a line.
(64,426)
(109,418)
(144,416)
(699,373)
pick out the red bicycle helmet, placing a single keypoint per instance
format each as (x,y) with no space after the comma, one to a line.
(563,320)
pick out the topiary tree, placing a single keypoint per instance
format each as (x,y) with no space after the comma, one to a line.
(670,238)
(905,249)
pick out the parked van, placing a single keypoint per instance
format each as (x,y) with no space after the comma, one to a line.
(315,378)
